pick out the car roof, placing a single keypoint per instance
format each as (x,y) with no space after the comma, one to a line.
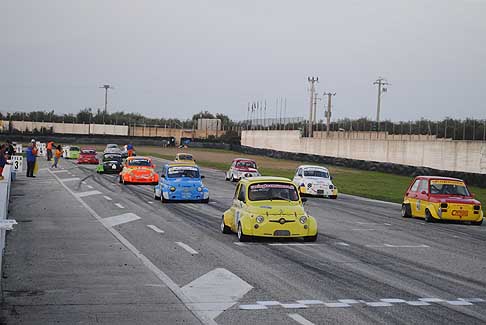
(312,166)
(180,164)
(139,158)
(88,148)
(260,179)
(243,159)
(441,178)
(183,153)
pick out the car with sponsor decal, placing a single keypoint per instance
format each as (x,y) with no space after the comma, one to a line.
(441,198)
(242,168)
(185,158)
(316,181)
(181,181)
(70,152)
(139,170)
(110,163)
(268,207)
(112,148)
(87,156)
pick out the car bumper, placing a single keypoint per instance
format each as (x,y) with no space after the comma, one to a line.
(319,191)
(137,180)
(277,230)
(185,196)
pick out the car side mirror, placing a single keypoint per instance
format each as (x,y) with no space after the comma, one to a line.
(202,176)
(303,199)
(332,177)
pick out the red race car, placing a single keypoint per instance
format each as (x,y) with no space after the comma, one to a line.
(242,168)
(87,156)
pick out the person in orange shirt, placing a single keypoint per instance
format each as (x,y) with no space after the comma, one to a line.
(57,156)
(49,146)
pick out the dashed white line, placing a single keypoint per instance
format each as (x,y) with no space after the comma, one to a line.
(398,246)
(120,219)
(108,198)
(69,179)
(89,186)
(188,248)
(83,182)
(119,205)
(300,319)
(150,202)
(156,229)
(363,229)
(342,244)
(87,193)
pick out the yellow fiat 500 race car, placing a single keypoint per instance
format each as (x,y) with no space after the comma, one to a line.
(268,207)
(185,158)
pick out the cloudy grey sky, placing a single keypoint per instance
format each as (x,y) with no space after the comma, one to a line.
(174,58)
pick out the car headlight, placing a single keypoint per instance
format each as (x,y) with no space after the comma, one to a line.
(260,219)
(303,219)
(199,189)
(172,188)
(331,187)
(309,185)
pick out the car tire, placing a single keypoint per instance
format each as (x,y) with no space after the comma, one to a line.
(333,197)
(120,180)
(477,223)
(156,198)
(428,216)
(163,200)
(233,178)
(241,236)
(406,211)
(310,238)
(224,228)
(226,178)
(205,200)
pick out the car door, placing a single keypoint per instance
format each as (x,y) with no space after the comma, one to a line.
(422,197)
(412,196)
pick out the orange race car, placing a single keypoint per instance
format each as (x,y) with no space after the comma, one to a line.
(139,170)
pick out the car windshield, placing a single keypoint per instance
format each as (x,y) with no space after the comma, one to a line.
(185,157)
(74,148)
(248,164)
(112,157)
(440,187)
(176,172)
(88,151)
(139,162)
(272,191)
(316,172)
(111,146)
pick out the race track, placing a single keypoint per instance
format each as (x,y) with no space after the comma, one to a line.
(368,266)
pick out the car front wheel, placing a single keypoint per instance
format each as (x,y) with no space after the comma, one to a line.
(477,223)
(310,238)
(428,216)
(241,236)
(224,228)
(156,197)
(406,211)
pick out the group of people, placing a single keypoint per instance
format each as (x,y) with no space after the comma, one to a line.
(7,150)
(57,153)
(31,156)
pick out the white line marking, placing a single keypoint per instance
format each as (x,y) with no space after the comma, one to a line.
(83,182)
(349,301)
(459,303)
(201,315)
(252,307)
(431,299)
(393,300)
(342,244)
(119,205)
(120,219)
(150,202)
(88,193)
(156,229)
(310,302)
(188,248)
(268,303)
(417,303)
(294,306)
(336,305)
(216,291)
(108,198)
(69,179)
(299,319)
(89,186)
(387,224)
(472,299)
(362,229)
(378,304)
(398,246)
(239,243)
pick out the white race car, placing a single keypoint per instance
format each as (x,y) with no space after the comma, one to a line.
(315,180)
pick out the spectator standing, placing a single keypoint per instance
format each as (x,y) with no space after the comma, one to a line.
(57,156)
(9,150)
(31,154)
(50,144)
(130,149)
(3,159)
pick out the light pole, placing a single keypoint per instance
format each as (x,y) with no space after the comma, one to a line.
(381,83)
(106,87)
(328,112)
(312,81)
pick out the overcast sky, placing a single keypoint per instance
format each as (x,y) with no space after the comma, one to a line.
(174,58)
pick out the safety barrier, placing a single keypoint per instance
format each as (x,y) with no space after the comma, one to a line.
(5,224)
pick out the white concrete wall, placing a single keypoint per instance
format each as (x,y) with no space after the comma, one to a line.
(71,128)
(465,156)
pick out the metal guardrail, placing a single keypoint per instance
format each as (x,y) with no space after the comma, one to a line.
(5,224)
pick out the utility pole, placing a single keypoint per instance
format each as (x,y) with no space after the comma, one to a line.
(328,112)
(106,87)
(312,81)
(382,83)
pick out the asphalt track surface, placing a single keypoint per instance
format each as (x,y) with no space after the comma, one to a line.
(368,266)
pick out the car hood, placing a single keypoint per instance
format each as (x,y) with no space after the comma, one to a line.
(184,182)
(277,208)
(457,200)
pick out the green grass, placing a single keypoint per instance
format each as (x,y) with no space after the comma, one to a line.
(369,184)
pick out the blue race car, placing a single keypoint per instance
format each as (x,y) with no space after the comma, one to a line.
(181,182)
